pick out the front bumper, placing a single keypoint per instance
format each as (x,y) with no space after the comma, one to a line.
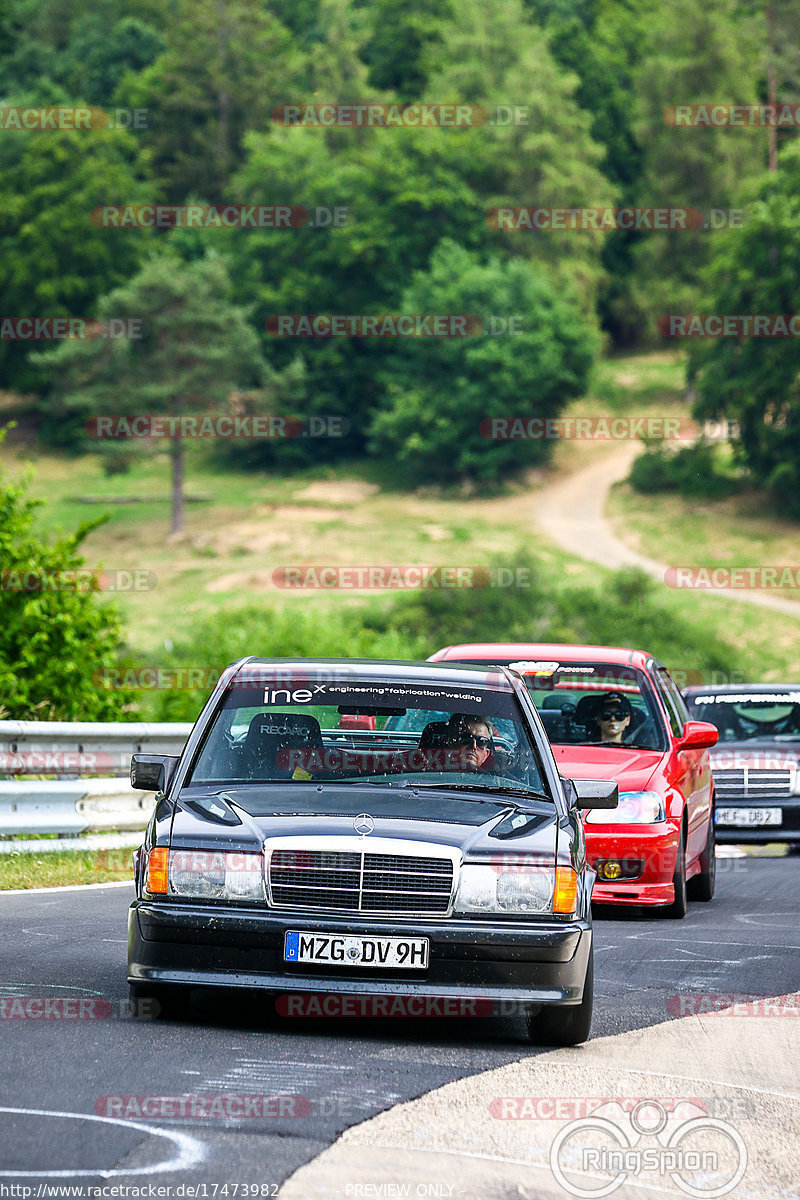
(654,846)
(542,962)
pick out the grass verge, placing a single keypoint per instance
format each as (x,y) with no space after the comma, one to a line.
(57,868)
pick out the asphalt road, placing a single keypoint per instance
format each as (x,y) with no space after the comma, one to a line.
(58,1075)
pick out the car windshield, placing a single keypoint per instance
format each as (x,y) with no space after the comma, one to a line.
(590,703)
(399,732)
(750,716)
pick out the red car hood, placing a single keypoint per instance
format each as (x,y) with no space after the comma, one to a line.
(632,769)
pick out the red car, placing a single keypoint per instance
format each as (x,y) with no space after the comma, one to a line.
(612,713)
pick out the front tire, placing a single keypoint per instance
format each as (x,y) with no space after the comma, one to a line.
(701,887)
(557,1025)
(680,904)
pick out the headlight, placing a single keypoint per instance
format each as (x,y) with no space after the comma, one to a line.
(207,875)
(635,808)
(505,887)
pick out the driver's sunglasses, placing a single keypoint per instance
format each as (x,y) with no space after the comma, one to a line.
(612,714)
(481,743)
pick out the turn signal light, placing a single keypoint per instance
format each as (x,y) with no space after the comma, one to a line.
(157,871)
(566,892)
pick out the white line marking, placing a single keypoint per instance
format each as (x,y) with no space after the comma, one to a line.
(190,1150)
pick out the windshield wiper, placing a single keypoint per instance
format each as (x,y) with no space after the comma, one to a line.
(483,789)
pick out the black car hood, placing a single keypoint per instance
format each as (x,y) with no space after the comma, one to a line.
(454,819)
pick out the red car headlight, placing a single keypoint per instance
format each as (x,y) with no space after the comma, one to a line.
(635,808)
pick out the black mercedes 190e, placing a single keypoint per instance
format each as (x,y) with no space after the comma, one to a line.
(367,828)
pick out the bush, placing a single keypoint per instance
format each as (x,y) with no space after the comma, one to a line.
(692,471)
(443,392)
(56,636)
(623,610)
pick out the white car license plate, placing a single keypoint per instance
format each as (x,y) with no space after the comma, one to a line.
(351,950)
(749,816)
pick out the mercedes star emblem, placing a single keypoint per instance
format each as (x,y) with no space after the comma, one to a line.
(363,824)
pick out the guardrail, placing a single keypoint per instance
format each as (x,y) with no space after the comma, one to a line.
(75,749)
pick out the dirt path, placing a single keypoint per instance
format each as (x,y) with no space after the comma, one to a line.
(571,512)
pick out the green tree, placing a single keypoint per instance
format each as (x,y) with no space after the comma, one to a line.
(226,64)
(492,55)
(755,381)
(195,348)
(701,54)
(54,262)
(56,636)
(444,392)
(404,42)
(406,189)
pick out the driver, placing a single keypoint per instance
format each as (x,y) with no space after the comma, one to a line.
(472,737)
(612,717)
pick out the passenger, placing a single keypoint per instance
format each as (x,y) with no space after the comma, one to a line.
(612,718)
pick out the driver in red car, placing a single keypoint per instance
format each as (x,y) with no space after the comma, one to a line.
(612,718)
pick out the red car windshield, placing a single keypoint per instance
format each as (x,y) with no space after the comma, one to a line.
(588,703)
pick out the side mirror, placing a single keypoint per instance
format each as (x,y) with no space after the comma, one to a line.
(698,735)
(595,793)
(153,772)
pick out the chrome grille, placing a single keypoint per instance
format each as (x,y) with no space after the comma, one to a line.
(355,881)
(751,782)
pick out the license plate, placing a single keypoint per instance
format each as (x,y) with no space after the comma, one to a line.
(749,816)
(352,950)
